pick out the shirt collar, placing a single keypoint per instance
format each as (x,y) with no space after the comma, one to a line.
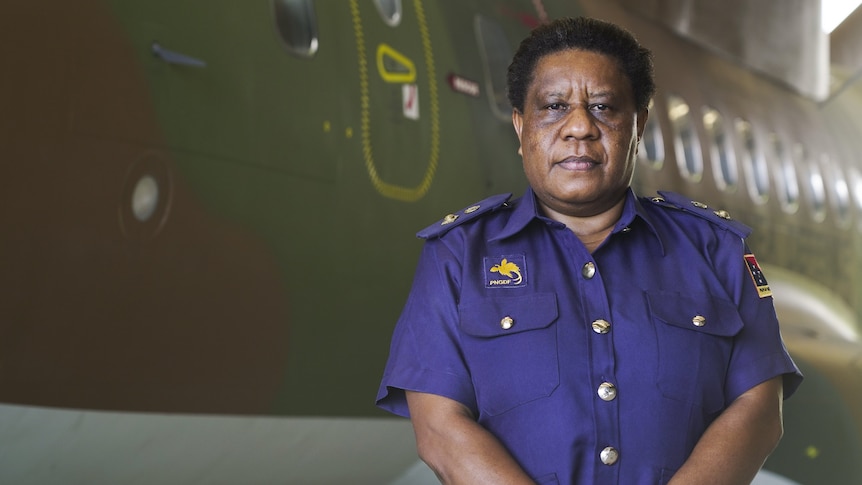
(632,210)
(524,212)
(527,209)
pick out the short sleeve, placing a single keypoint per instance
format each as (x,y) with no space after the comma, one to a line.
(425,353)
(759,353)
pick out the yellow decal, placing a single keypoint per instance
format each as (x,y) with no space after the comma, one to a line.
(405,72)
(509,269)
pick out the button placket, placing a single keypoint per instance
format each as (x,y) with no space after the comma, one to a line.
(602,365)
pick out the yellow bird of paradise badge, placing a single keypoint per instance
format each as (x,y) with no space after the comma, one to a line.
(505,271)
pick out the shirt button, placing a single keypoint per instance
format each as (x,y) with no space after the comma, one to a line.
(589,270)
(507,322)
(610,455)
(698,321)
(607,391)
(601,327)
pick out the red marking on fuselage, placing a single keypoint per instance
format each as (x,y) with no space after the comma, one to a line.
(411,97)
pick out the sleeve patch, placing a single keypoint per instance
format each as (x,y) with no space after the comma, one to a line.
(757,276)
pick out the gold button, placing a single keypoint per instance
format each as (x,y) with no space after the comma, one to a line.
(506,323)
(607,391)
(723,214)
(698,321)
(601,327)
(699,205)
(472,209)
(449,219)
(610,455)
(589,270)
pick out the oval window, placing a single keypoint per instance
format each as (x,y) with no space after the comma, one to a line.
(788,183)
(390,10)
(753,163)
(720,149)
(496,54)
(817,189)
(686,144)
(296,23)
(652,143)
(855,187)
(841,191)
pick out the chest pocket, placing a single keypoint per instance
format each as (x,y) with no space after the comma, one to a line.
(695,342)
(510,346)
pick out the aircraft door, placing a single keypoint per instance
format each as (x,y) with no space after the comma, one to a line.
(399,126)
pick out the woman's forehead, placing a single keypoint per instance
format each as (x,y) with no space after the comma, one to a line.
(563,70)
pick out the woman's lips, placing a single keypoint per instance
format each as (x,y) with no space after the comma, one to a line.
(577,163)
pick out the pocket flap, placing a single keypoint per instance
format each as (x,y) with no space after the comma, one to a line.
(704,313)
(494,317)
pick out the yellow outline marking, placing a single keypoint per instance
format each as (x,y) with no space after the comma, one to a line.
(384,50)
(406,194)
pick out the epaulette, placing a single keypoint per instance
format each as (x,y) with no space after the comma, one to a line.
(470,213)
(716,216)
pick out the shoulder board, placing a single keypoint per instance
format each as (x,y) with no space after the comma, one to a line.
(718,217)
(455,219)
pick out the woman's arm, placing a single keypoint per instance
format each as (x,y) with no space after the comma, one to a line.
(736,444)
(456,447)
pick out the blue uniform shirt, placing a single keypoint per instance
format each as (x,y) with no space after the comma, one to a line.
(589,368)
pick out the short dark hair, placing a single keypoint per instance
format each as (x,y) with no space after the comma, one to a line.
(590,35)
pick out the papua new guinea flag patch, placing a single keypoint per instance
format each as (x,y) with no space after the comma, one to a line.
(757,276)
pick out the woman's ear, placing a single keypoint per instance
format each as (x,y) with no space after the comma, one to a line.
(518,123)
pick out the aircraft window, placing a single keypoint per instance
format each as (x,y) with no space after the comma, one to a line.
(757,173)
(818,189)
(390,10)
(842,193)
(686,144)
(496,53)
(296,23)
(788,185)
(652,145)
(856,187)
(723,161)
